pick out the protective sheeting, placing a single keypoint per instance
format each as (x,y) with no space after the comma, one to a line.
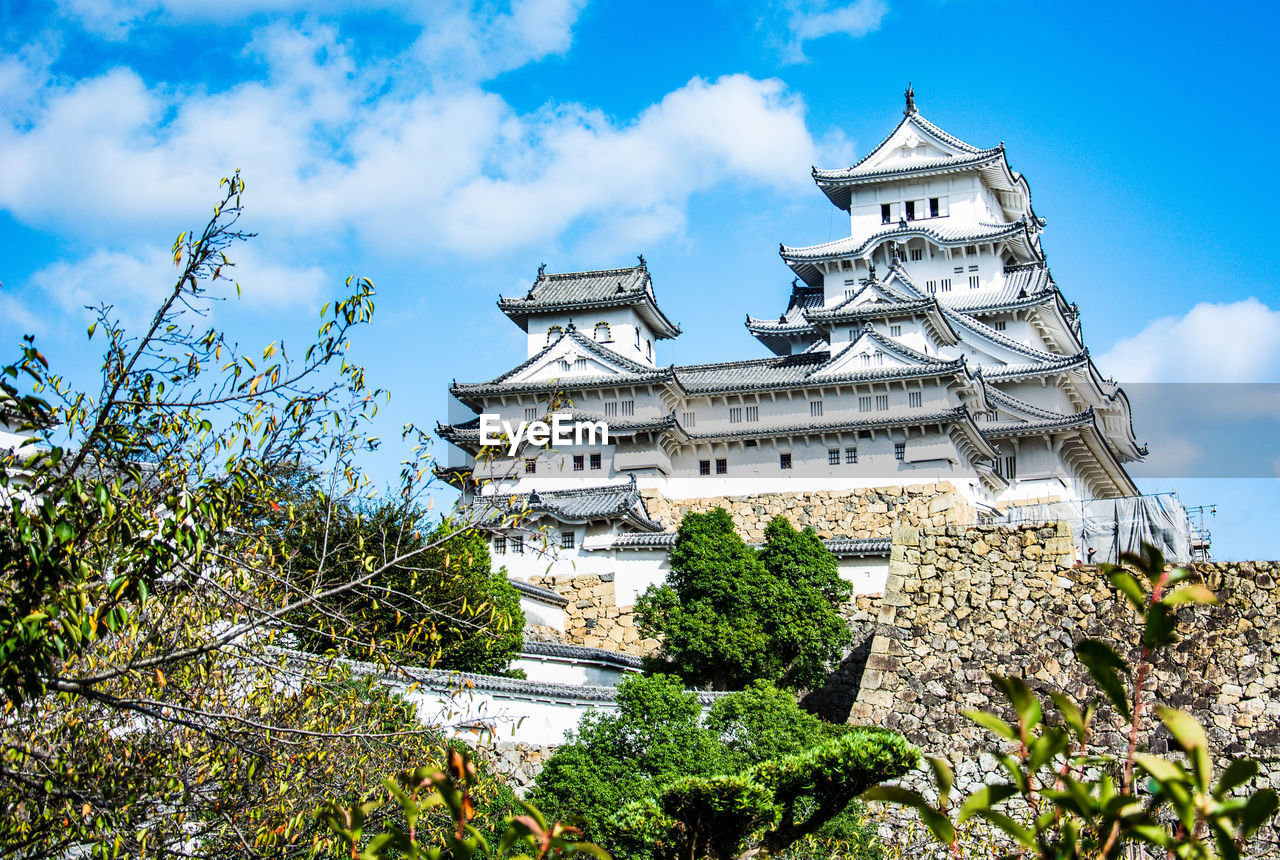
(1105,528)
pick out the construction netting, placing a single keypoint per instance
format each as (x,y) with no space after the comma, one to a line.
(1105,528)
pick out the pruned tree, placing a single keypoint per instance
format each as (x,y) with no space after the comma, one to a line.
(145,585)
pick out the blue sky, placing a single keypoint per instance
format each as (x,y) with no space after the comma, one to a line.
(445,149)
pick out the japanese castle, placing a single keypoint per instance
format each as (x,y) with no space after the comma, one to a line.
(929,345)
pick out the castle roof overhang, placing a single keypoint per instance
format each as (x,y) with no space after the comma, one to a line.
(807,262)
(466,435)
(846,312)
(841,547)
(958,415)
(991,164)
(621,502)
(802,371)
(580,292)
(1083,443)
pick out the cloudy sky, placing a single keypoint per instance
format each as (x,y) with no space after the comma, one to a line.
(445,149)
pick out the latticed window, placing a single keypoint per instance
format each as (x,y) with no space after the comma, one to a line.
(567,540)
(914,399)
(531,413)
(517,545)
(595,461)
(784,460)
(851,455)
(611,409)
(864,404)
(833,457)
(688,419)
(579,462)
(753,413)
(735,414)
(628,408)
(895,331)
(499,546)
(704,467)
(530,467)
(882,403)
(722,467)
(899,451)
(579,364)
(815,408)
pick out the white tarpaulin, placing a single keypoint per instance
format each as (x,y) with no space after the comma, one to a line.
(1105,528)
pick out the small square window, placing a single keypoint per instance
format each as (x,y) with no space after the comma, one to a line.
(499,546)
(735,414)
(750,443)
(931,287)
(704,467)
(628,408)
(595,461)
(973,282)
(886,213)
(517,545)
(864,404)
(753,413)
(851,455)
(917,254)
(815,408)
(959,270)
(579,462)
(611,409)
(915,399)
(882,403)
(945,286)
(688,419)
(973,268)
(784,460)
(567,540)
(722,467)
(531,413)
(895,331)
(530,467)
(899,451)
(998,325)
(833,457)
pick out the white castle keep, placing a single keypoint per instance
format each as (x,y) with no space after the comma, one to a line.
(930,345)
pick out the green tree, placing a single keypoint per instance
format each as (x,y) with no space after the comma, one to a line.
(654,779)
(143,588)
(728,614)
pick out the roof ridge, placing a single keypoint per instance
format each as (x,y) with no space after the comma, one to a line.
(981,328)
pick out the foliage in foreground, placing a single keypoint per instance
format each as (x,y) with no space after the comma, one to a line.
(760,775)
(1066,796)
(142,583)
(443,605)
(728,614)
(427,795)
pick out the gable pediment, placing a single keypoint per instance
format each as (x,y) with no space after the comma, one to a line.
(867,352)
(568,358)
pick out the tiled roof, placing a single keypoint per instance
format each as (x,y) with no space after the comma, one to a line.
(789,371)
(846,312)
(902,419)
(939,233)
(987,332)
(546,595)
(587,504)
(1004,429)
(570,291)
(581,653)
(468,432)
(1023,285)
(913,167)
(1017,404)
(843,547)
(1032,369)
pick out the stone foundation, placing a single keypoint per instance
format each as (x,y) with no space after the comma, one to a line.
(862,513)
(593,617)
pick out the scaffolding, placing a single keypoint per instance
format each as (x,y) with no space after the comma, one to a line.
(1104,529)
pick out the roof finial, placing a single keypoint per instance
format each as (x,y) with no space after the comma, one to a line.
(911,101)
(542,270)
(640,257)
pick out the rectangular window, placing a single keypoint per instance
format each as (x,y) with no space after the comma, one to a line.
(784,460)
(517,545)
(628,408)
(688,419)
(579,364)
(833,457)
(1010,467)
(637,338)
(895,331)
(595,461)
(864,404)
(815,408)
(914,399)
(946,285)
(531,413)
(753,413)
(886,213)
(567,540)
(850,282)
(882,403)
(866,359)
(931,286)
(917,254)
(750,443)
(934,208)
(499,546)
(998,325)
(848,294)
(899,451)
(851,455)
(973,282)
(579,462)
(973,268)
(911,210)
(959,270)
(735,414)
(722,467)
(611,409)
(971,250)
(530,467)
(704,467)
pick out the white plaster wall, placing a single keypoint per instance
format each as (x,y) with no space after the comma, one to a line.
(537,613)
(868,575)
(559,670)
(623,324)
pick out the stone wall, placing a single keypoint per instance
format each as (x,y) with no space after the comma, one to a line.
(961,602)
(593,617)
(834,700)
(862,513)
(519,762)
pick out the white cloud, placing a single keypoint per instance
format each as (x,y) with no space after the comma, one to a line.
(813,19)
(326,145)
(1235,342)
